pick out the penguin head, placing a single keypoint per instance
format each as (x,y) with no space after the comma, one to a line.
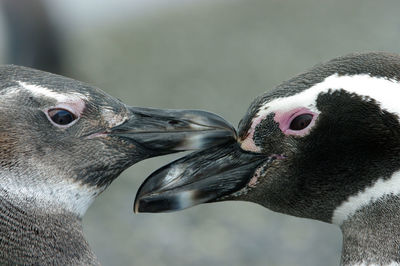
(63,141)
(319,146)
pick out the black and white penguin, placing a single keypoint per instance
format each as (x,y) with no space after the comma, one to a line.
(62,143)
(324,145)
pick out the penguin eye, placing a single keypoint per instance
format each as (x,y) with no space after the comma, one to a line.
(61,116)
(301,122)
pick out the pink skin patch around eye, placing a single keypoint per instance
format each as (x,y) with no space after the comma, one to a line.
(285,118)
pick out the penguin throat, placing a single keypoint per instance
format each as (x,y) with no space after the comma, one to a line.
(58,197)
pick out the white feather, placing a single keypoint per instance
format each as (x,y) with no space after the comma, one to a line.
(41,91)
(385,91)
(369,195)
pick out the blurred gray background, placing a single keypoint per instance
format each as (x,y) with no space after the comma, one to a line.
(215,55)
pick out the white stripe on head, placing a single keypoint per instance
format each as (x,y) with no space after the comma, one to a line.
(383,90)
(369,195)
(41,91)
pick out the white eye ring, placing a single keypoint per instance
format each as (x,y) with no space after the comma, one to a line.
(61,115)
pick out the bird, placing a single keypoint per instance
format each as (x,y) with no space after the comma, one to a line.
(62,142)
(324,145)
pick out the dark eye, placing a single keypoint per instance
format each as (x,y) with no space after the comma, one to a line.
(301,122)
(61,116)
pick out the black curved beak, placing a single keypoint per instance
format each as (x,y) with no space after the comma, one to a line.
(204,176)
(163,131)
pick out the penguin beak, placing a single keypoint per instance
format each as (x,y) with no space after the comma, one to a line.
(205,176)
(163,131)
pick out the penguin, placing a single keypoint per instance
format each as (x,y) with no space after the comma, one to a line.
(62,142)
(324,145)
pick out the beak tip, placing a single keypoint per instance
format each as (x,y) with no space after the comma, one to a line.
(139,205)
(144,204)
(136,207)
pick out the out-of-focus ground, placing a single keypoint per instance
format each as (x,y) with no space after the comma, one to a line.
(214,55)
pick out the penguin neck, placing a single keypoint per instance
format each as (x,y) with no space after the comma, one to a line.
(371,235)
(48,193)
(30,234)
